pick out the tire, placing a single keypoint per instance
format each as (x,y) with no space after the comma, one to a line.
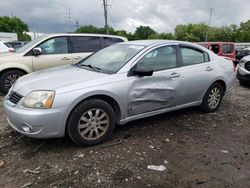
(243,83)
(85,119)
(8,78)
(213,97)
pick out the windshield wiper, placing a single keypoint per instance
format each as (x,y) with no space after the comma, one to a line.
(91,67)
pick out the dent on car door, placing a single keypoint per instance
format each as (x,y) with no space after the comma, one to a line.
(55,52)
(197,73)
(160,90)
(83,46)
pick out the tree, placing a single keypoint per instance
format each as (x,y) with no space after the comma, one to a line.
(143,32)
(191,32)
(15,25)
(243,34)
(93,29)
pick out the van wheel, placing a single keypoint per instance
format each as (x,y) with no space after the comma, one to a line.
(212,98)
(91,122)
(8,78)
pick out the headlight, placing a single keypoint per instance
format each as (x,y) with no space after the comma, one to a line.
(39,99)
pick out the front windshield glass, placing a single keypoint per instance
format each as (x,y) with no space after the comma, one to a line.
(31,43)
(111,59)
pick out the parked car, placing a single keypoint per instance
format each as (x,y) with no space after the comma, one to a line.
(242,53)
(4,48)
(16,44)
(121,83)
(243,72)
(50,51)
(225,49)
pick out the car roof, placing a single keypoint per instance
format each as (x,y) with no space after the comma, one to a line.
(215,43)
(156,42)
(85,34)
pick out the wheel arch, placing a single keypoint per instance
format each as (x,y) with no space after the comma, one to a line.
(110,100)
(11,69)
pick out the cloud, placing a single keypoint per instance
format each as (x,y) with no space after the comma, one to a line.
(161,15)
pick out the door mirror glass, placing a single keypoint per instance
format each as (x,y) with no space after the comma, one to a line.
(142,72)
(37,51)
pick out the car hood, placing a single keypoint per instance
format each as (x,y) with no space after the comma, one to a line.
(9,56)
(55,78)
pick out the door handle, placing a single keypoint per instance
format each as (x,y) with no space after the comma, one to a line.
(174,75)
(65,58)
(209,68)
(78,57)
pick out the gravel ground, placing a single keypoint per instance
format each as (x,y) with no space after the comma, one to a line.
(197,149)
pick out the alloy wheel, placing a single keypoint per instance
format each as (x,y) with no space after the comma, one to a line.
(93,124)
(214,98)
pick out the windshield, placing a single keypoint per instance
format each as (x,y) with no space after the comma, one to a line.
(111,59)
(31,43)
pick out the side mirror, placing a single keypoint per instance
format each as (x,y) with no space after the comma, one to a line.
(37,51)
(141,72)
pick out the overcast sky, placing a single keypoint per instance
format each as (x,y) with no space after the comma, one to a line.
(162,15)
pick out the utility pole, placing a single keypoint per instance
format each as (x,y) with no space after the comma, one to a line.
(105,7)
(69,17)
(209,21)
(77,24)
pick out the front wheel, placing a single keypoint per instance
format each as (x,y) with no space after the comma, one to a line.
(91,122)
(212,98)
(8,78)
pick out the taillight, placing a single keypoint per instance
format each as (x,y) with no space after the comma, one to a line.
(11,50)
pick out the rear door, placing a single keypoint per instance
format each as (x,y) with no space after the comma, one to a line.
(197,73)
(55,52)
(83,46)
(161,90)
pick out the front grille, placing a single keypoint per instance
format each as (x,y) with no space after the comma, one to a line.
(247,65)
(14,97)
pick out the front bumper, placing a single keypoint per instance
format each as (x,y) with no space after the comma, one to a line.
(36,123)
(243,74)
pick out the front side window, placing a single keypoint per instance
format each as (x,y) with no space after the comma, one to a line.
(85,44)
(159,59)
(58,45)
(191,56)
(227,48)
(214,48)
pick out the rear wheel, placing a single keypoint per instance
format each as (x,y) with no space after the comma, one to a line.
(91,122)
(8,78)
(212,98)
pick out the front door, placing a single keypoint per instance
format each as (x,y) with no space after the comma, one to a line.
(160,90)
(55,52)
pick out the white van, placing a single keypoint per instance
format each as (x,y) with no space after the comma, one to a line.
(50,51)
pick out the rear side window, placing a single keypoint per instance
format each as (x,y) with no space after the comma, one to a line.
(109,41)
(191,56)
(227,48)
(85,44)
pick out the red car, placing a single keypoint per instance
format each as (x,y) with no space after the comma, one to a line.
(226,49)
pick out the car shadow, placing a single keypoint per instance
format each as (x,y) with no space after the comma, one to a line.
(121,133)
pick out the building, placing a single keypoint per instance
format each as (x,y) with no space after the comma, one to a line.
(8,37)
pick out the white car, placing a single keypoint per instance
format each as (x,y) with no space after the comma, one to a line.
(4,48)
(50,51)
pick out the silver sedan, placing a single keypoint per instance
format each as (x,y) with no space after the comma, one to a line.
(121,83)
